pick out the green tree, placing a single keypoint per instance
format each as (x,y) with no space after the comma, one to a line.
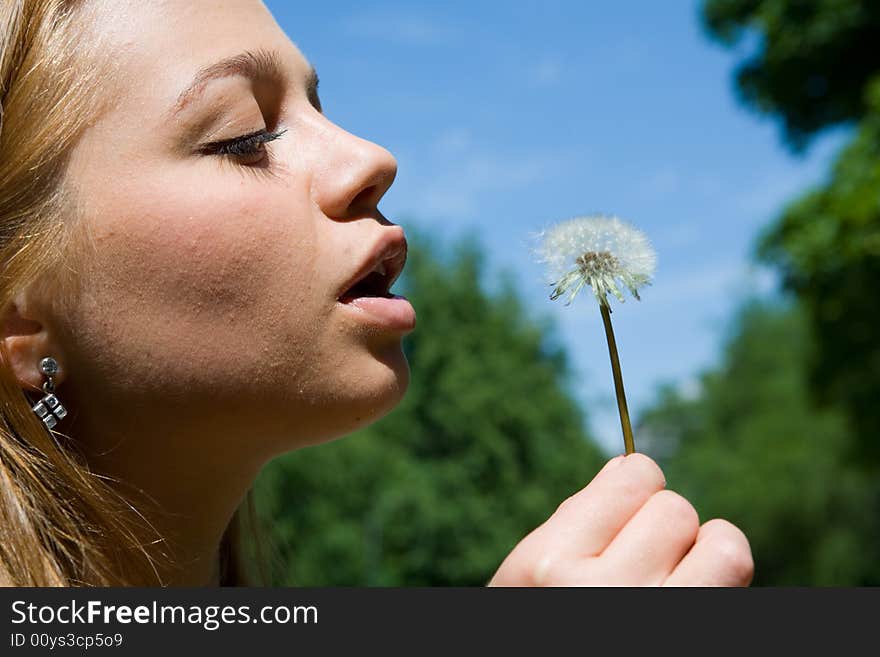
(799,478)
(753,449)
(487,442)
(817,65)
(814,60)
(827,245)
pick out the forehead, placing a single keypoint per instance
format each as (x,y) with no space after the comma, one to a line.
(154,48)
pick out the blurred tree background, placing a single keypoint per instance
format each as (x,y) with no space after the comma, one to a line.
(485,445)
(783,437)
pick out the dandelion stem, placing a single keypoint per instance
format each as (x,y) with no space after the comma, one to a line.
(618,380)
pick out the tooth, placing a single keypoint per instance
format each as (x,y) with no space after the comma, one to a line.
(380,268)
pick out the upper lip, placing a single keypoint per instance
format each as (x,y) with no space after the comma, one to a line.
(388,252)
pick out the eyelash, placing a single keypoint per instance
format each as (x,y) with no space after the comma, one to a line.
(243,146)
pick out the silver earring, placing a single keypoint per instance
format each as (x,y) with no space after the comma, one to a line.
(49,408)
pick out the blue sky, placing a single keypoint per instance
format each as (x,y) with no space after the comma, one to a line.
(508,116)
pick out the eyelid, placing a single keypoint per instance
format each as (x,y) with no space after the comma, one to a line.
(256,138)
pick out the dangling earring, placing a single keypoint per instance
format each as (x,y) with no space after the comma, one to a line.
(49,408)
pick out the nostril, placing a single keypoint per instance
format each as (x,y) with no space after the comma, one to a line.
(367,197)
(374,188)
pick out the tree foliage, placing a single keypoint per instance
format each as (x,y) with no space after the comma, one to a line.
(486,443)
(813,62)
(827,245)
(800,478)
(753,449)
(817,64)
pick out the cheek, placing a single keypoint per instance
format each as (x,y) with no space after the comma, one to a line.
(187,288)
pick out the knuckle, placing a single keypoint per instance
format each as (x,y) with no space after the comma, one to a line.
(535,561)
(545,568)
(732,551)
(678,510)
(564,504)
(644,471)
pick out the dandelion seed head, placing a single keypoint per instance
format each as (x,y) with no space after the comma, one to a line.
(602,252)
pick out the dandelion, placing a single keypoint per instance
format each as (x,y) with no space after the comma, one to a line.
(604,253)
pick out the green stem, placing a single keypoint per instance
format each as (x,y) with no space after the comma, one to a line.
(618,380)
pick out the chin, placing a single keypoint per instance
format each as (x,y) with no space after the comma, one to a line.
(388,387)
(388,381)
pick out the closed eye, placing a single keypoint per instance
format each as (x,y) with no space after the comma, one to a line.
(246,149)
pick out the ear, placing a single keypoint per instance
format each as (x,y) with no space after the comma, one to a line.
(26,342)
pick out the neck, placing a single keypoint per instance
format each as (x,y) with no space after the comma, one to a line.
(185,493)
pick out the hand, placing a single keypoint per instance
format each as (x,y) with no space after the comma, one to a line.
(624,529)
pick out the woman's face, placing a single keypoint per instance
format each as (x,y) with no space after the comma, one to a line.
(209,298)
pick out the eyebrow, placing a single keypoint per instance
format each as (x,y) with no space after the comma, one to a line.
(257,65)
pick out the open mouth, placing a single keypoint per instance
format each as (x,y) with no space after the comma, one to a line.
(378,272)
(368,297)
(375,284)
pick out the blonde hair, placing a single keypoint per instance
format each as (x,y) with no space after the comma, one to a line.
(60,524)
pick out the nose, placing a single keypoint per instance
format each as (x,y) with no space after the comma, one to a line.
(354,175)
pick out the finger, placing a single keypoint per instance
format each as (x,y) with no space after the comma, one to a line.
(586,523)
(651,545)
(720,557)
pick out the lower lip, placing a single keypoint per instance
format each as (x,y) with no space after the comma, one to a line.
(394,312)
